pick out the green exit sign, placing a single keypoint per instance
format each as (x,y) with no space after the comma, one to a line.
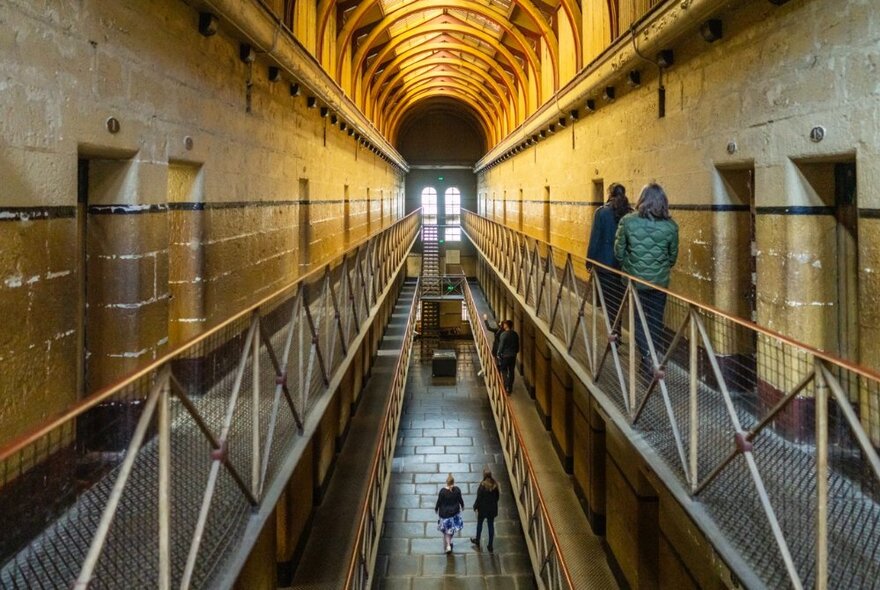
(440,178)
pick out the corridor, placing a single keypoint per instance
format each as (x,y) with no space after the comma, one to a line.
(224,222)
(447,427)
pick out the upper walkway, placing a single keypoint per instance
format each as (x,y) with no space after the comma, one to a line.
(766,442)
(169,477)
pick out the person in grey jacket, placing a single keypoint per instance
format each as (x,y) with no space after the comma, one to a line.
(646,244)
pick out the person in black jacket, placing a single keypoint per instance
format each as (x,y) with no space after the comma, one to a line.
(486,507)
(448,508)
(601,247)
(508,348)
(496,330)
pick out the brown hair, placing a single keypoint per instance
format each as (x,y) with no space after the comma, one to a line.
(488,481)
(450,480)
(653,203)
(617,200)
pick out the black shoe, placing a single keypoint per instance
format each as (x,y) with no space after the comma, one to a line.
(475,541)
(489,548)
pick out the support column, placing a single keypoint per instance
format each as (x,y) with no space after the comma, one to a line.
(561,410)
(589,456)
(542,378)
(632,529)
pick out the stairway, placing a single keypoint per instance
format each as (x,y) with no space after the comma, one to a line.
(431,287)
(430,262)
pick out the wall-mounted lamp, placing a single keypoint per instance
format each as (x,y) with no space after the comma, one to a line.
(325,112)
(634,78)
(357,136)
(590,105)
(609,94)
(562,121)
(542,134)
(574,114)
(665,58)
(342,125)
(712,30)
(208,24)
(350,131)
(311,102)
(274,74)
(246,53)
(294,90)
(334,119)
(551,129)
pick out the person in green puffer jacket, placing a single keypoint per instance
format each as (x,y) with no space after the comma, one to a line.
(646,244)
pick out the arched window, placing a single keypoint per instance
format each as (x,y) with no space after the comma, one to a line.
(429,205)
(452,208)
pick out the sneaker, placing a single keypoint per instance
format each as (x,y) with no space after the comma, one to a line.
(449,549)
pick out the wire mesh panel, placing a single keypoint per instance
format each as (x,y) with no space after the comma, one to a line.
(776,439)
(152,482)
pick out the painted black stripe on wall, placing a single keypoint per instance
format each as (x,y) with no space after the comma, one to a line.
(869,213)
(192,206)
(34,213)
(796,210)
(126,209)
(714,208)
(718,208)
(245,204)
(542,201)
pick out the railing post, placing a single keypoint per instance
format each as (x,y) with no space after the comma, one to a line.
(631,318)
(165,485)
(255,410)
(821,477)
(593,346)
(693,419)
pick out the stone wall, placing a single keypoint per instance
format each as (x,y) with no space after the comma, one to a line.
(190,209)
(735,142)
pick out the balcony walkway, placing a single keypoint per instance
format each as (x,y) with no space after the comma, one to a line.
(335,522)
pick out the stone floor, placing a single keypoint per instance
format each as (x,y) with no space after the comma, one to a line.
(447,427)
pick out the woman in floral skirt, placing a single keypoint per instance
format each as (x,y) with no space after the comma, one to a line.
(448,508)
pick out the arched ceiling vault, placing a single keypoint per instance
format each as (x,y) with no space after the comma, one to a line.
(498,60)
(430,68)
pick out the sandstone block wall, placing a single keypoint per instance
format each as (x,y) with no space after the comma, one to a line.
(114,246)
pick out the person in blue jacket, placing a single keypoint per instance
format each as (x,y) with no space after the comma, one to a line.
(601,248)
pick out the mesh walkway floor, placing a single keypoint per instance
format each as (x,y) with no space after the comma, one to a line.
(324,560)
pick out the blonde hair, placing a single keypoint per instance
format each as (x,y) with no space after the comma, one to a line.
(450,480)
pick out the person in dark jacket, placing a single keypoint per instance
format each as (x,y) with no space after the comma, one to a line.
(486,507)
(646,245)
(508,348)
(448,508)
(601,248)
(496,330)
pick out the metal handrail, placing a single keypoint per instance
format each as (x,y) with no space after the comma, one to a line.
(230,421)
(108,391)
(522,477)
(361,563)
(719,402)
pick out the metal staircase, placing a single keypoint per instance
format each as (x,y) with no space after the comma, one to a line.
(430,278)
(431,287)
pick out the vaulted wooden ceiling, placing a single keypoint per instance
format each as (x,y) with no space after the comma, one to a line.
(498,60)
